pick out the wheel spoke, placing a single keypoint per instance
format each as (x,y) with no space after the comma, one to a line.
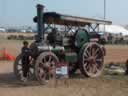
(85,60)
(50,58)
(41,72)
(97,56)
(19,67)
(20,71)
(96,51)
(88,66)
(90,69)
(85,54)
(44,60)
(88,53)
(93,52)
(95,69)
(20,62)
(90,47)
(52,72)
(85,65)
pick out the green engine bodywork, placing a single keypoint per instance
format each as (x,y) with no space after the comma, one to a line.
(71,57)
(81,38)
(70,54)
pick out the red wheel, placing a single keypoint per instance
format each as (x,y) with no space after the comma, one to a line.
(91,60)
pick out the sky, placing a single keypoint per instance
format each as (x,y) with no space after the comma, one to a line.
(21,12)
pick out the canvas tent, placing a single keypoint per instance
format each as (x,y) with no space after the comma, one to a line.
(2,29)
(114,29)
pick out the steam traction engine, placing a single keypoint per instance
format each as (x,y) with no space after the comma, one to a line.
(75,43)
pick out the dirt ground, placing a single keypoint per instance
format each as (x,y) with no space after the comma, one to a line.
(116,53)
(78,86)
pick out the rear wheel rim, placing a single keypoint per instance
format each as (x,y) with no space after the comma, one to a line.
(18,69)
(93,60)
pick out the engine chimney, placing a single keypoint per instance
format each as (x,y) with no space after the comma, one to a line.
(40,23)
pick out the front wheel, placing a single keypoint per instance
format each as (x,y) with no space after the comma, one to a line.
(91,60)
(45,67)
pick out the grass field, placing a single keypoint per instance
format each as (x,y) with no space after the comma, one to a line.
(78,86)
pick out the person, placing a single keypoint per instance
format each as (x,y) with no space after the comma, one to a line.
(52,36)
(25,60)
(126,72)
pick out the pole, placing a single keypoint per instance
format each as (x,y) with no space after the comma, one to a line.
(104,13)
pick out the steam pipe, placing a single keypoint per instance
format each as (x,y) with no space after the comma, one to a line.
(40,23)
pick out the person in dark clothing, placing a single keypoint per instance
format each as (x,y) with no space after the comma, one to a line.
(25,59)
(126,72)
(52,36)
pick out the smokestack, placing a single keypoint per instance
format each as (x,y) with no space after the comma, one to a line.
(40,23)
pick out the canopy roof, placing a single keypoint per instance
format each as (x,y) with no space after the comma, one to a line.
(60,19)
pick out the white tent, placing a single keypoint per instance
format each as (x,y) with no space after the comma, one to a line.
(2,29)
(115,29)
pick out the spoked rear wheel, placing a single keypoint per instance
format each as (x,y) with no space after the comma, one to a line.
(45,68)
(18,69)
(91,60)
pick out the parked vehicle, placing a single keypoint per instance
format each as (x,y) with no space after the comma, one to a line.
(75,50)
